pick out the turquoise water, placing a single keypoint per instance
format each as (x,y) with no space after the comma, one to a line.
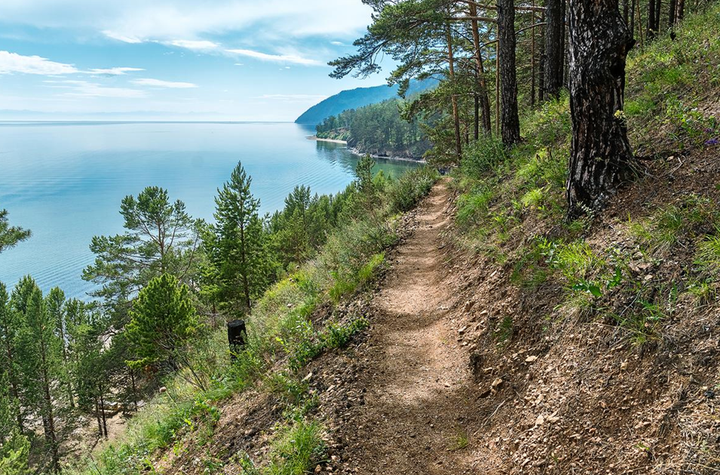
(65,181)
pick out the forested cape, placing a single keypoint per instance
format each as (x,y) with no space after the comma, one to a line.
(379,130)
(530,109)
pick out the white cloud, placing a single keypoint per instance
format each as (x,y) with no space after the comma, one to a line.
(276,58)
(16,63)
(165,84)
(91,89)
(114,71)
(200,45)
(133,21)
(120,37)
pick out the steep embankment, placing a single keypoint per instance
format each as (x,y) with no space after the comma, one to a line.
(465,371)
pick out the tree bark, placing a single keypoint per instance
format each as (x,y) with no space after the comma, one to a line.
(541,72)
(532,58)
(102,412)
(482,84)
(553,48)
(651,20)
(672,13)
(680,10)
(97,417)
(455,109)
(134,387)
(600,157)
(508,81)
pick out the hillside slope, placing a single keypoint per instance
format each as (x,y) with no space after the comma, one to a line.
(354,99)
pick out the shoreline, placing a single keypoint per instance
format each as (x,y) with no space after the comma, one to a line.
(357,152)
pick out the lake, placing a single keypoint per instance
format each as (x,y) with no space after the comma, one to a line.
(64,181)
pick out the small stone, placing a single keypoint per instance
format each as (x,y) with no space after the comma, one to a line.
(531,359)
(496,383)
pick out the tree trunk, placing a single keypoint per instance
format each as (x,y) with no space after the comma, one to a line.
(672,15)
(600,157)
(532,57)
(102,413)
(134,389)
(482,84)
(455,109)
(658,9)
(497,86)
(639,23)
(541,66)
(651,20)
(565,54)
(680,10)
(508,81)
(553,48)
(97,417)
(632,18)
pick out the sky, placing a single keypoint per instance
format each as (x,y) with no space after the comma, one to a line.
(173,59)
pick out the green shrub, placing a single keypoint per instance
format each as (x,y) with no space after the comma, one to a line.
(473,206)
(407,191)
(296,449)
(482,156)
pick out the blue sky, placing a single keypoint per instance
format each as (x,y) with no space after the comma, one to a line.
(173,59)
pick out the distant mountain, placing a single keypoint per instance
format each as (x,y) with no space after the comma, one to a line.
(356,98)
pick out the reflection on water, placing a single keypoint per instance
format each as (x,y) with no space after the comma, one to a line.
(65,181)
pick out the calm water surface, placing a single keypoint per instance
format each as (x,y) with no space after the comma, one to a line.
(65,181)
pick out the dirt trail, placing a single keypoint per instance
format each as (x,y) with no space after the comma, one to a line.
(417,383)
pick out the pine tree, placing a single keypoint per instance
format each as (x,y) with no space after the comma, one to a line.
(40,350)
(160,237)
(55,302)
(14,454)
(10,235)
(10,325)
(162,321)
(90,372)
(237,245)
